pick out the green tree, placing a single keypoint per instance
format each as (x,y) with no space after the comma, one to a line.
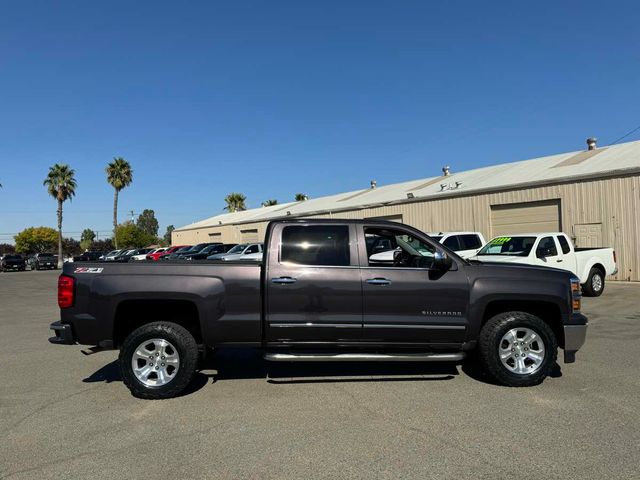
(61,185)
(36,240)
(105,245)
(147,222)
(119,176)
(7,248)
(71,246)
(235,202)
(167,234)
(129,235)
(87,238)
(301,197)
(269,203)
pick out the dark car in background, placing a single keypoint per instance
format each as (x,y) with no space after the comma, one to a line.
(169,251)
(43,261)
(181,251)
(127,253)
(13,261)
(197,248)
(90,256)
(210,250)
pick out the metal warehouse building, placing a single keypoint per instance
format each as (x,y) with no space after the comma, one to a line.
(592,195)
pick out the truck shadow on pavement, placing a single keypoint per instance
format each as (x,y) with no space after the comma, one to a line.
(237,363)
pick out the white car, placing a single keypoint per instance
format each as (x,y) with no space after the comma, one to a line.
(554,249)
(143,256)
(465,244)
(244,251)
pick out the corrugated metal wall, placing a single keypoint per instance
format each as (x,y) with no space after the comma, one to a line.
(613,202)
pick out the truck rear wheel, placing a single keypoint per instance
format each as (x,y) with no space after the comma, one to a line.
(517,349)
(158,360)
(595,283)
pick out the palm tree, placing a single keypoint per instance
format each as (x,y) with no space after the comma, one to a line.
(269,203)
(301,197)
(235,202)
(61,185)
(119,176)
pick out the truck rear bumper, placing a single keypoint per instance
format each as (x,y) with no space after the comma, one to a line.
(64,334)
(574,338)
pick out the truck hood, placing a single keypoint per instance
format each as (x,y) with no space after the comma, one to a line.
(521,270)
(499,259)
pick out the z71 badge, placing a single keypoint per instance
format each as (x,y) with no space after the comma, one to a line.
(88,270)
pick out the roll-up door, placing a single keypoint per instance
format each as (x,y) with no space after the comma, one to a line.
(531,217)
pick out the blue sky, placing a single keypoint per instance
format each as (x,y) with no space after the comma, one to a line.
(274,98)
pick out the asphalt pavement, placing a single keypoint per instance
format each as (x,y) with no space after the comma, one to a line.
(65,415)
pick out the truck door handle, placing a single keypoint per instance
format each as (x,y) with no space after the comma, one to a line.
(284,280)
(559,260)
(378,281)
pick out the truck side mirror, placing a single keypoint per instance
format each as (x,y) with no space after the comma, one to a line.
(442,261)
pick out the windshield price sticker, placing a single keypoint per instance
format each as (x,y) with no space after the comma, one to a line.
(500,240)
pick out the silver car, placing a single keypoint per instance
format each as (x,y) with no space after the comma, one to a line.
(244,251)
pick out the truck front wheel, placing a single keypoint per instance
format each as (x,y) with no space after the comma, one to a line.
(158,360)
(517,349)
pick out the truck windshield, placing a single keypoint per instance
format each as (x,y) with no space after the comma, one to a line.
(513,246)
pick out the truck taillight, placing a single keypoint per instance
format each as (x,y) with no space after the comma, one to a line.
(65,291)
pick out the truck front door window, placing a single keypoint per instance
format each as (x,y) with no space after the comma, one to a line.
(395,248)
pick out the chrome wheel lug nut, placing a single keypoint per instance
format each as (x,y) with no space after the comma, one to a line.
(157,368)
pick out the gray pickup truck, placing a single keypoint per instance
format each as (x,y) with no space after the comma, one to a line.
(320,295)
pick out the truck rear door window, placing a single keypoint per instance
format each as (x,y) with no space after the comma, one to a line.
(470,242)
(452,243)
(564,244)
(315,245)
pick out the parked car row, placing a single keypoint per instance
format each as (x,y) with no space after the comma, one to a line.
(550,249)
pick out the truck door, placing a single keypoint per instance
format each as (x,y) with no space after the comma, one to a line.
(567,260)
(546,253)
(406,300)
(313,289)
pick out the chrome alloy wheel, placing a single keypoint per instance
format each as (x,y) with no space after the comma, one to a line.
(521,351)
(596,282)
(155,362)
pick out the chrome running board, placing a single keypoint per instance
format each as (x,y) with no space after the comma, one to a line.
(364,357)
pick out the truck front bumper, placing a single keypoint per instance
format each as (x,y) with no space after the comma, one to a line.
(574,338)
(64,334)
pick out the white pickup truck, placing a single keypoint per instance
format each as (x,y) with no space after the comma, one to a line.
(554,249)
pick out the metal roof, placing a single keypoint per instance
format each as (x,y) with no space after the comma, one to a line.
(602,162)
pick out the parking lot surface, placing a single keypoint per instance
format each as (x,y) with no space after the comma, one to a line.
(64,415)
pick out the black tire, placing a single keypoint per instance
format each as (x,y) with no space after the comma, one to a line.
(187,350)
(594,285)
(492,334)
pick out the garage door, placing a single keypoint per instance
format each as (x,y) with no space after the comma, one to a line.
(525,218)
(249,236)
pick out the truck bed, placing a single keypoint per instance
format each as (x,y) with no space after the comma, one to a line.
(227,296)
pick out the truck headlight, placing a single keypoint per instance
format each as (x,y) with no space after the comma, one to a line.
(576,294)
